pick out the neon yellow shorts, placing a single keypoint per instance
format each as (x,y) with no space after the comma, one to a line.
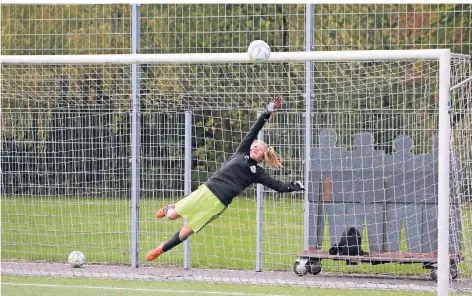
(200,208)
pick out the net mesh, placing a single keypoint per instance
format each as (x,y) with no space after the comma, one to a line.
(66,160)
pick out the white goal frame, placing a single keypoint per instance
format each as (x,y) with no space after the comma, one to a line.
(443,56)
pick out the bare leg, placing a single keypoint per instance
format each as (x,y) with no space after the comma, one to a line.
(167,211)
(172,213)
(185,232)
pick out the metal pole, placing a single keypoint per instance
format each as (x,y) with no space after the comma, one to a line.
(443,175)
(308,110)
(187,176)
(135,139)
(259,197)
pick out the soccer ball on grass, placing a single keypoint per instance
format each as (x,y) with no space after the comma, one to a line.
(76,259)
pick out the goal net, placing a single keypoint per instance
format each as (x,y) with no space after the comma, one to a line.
(67,169)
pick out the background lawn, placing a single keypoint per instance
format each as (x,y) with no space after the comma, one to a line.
(50,228)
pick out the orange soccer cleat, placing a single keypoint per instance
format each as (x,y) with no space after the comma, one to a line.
(161,212)
(153,254)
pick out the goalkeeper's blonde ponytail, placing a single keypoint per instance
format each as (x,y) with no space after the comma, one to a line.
(271,158)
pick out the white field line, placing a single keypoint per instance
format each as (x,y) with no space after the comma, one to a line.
(139,289)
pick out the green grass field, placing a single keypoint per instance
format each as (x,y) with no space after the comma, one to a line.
(43,286)
(50,228)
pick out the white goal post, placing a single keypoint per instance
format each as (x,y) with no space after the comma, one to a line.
(442,56)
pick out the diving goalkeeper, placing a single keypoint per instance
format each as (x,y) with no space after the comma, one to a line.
(211,199)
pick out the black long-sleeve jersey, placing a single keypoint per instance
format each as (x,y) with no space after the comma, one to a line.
(240,171)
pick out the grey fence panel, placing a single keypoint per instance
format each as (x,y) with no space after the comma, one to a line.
(387,191)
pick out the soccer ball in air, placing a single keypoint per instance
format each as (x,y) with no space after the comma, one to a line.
(259,51)
(76,259)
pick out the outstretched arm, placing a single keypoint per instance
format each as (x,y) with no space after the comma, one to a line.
(253,132)
(258,125)
(279,186)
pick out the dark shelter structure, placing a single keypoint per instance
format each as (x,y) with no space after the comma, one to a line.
(384,193)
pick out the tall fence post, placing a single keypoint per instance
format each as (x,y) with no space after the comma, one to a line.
(308,110)
(135,138)
(259,197)
(187,176)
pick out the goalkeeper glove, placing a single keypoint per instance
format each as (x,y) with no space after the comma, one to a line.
(297,186)
(274,104)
